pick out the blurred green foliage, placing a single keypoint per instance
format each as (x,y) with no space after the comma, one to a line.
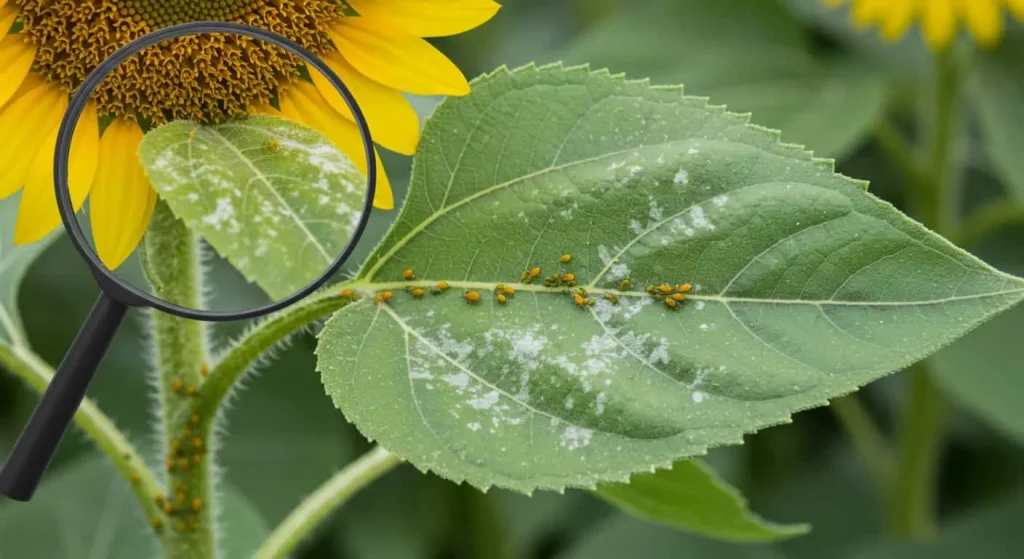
(792,63)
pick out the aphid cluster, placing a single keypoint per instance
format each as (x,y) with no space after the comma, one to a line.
(580,298)
(185,452)
(671,296)
(502,293)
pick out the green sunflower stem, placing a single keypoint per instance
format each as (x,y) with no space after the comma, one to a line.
(912,500)
(172,262)
(325,500)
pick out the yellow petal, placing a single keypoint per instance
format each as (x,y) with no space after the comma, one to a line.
(7,16)
(122,200)
(426,18)
(1017,7)
(392,120)
(898,20)
(302,103)
(984,19)
(939,23)
(37,212)
(27,121)
(16,56)
(868,12)
(397,59)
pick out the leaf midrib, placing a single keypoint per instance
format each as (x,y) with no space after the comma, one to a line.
(373,287)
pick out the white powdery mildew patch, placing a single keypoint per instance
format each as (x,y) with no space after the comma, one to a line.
(618,269)
(567,213)
(682,178)
(224,213)
(692,151)
(700,219)
(720,200)
(574,438)
(600,402)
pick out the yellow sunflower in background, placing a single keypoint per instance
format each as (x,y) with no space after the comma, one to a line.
(376,46)
(939,19)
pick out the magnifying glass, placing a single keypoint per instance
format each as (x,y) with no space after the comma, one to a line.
(246,203)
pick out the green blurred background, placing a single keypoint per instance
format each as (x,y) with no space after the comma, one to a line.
(796,66)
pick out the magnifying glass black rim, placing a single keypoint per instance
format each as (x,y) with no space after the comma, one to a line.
(131,295)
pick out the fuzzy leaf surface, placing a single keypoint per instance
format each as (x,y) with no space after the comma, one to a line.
(805,286)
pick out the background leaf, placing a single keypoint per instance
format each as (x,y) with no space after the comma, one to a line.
(276,199)
(998,95)
(690,497)
(85,511)
(752,56)
(14,262)
(805,287)
(623,536)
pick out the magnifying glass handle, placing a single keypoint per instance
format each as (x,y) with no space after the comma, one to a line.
(38,442)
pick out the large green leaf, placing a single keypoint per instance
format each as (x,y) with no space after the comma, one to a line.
(14,262)
(691,497)
(86,511)
(276,199)
(998,94)
(804,286)
(750,55)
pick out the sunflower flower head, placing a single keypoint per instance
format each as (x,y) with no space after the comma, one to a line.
(377,47)
(939,19)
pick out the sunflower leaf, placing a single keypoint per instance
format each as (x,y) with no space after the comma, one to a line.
(691,497)
(804,286)
(14,263)
(275,198)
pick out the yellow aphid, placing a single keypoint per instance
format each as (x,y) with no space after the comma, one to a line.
(473,297)
(347,294)
(177,386)
(409,274)
(192,133)
(534,272)
(181,497)
(156,523)
(197,504)
(502,299)
(568,279)
(168,509)
(624,285)
(183,464)
(158,498)
(671,303)
(442,285)
(273,145)
(665,288)
(510,291)
(197,443)
(679,297)
(565,258)
(195,419)
(579,300)
(613,298)
(192,390)
(170,464)
(384,296)
(175,445)
(685,288)
(417,293)
(204,369)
